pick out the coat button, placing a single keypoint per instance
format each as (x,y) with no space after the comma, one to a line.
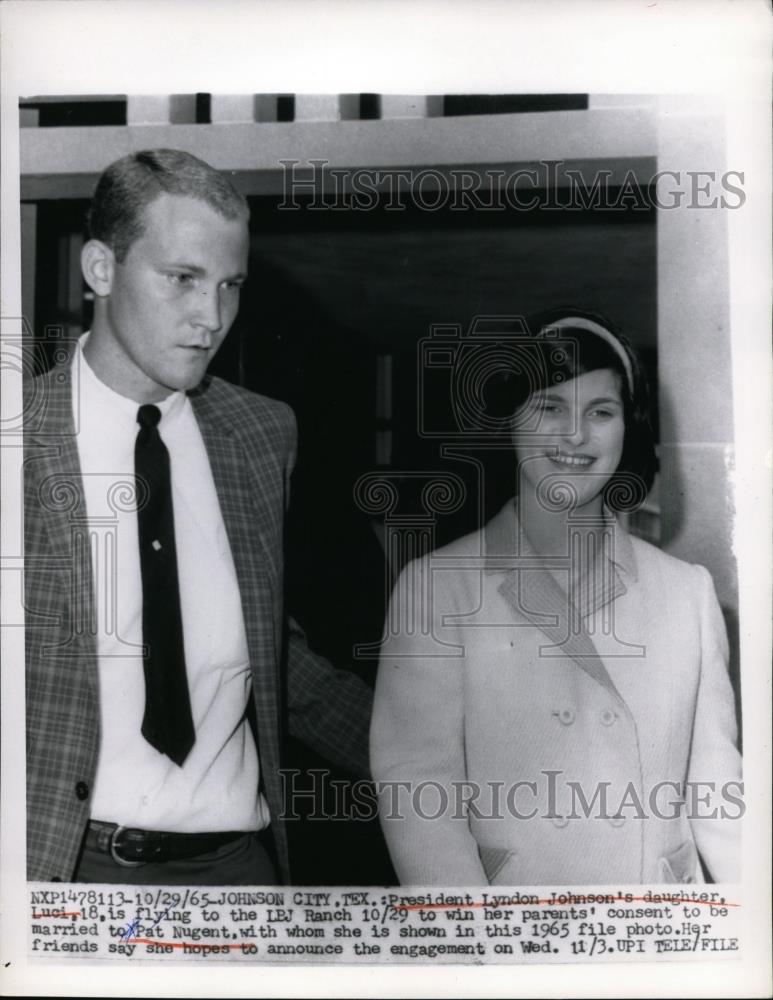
(56,879)
(616,820)
(608,717)
(82,791)
(566,716)
(560,821)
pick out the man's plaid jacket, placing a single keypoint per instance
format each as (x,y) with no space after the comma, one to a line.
(250,441)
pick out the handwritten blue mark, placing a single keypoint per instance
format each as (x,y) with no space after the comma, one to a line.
(135,928)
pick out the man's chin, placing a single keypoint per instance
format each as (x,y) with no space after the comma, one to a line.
(186,382)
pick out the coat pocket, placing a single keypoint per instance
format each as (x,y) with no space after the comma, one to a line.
(494,860)
(680,865)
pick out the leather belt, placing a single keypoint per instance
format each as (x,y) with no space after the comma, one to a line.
(132,848)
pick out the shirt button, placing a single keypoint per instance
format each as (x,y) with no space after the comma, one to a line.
(560,821)
(82,791)
(688,878)
(566,716)
(616,820)
(608,717)
(145,800)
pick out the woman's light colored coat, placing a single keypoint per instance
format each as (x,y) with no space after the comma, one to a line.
(545,743)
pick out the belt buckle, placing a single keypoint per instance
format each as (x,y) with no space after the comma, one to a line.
(114,851)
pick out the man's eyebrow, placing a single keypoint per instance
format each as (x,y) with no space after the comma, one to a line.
(202,271)
(181,265)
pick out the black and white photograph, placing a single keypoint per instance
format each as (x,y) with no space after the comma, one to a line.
(384,506)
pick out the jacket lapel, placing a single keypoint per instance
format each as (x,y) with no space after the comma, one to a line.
(235,483)
(536,598)
(54,487)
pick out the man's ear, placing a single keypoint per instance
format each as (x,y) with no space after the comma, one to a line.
(98,266)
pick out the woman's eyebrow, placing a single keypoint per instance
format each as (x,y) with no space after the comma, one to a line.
(605,399)
(551,396)
(554,397)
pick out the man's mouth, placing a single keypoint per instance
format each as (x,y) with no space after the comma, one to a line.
(575,461)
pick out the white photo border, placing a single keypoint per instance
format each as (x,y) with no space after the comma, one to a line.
(705,48)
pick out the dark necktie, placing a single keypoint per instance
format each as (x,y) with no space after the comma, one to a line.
(167,724)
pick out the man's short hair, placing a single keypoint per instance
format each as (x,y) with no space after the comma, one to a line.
(128,185)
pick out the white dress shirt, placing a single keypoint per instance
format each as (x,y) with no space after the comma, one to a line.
(217,786)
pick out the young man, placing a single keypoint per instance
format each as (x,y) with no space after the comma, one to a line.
(160,666)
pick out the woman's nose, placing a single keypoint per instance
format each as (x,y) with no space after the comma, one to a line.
(574,430)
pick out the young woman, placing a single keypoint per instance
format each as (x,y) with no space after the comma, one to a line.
(553,704)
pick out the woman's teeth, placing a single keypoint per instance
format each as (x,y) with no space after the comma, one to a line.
(575,460)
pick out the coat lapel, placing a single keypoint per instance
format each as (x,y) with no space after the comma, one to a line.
(238,491)
(535,597)
(55,496)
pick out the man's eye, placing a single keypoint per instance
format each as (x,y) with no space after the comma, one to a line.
(233,286)
(180,278)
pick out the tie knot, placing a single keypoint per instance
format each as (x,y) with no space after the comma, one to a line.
(148,415)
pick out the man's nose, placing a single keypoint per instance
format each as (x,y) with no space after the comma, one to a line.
(208,313)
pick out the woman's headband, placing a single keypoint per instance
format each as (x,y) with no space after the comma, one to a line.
(579,322)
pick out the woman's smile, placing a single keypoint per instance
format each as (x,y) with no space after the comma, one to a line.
(580,461)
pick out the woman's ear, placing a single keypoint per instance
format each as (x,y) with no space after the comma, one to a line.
(98,266)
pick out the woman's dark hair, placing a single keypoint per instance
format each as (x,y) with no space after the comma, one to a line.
(116,214)
(559,351)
